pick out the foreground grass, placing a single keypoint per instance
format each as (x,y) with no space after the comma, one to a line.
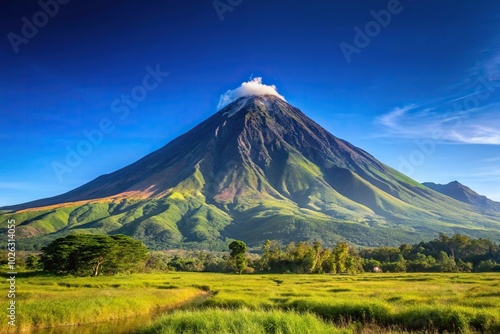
(458,303)
(218,321)
(63,301)
(414,302)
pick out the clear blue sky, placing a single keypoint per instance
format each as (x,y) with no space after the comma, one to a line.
(428,74)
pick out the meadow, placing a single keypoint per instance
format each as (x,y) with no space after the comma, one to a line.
(267,303)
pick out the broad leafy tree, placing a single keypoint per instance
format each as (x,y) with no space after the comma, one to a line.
(238,249)
(88,254)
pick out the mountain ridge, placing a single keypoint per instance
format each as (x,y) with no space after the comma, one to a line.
(462,193)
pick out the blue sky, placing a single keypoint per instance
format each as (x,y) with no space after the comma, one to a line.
(419,87)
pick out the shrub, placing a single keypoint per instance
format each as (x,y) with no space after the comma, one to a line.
(248,270)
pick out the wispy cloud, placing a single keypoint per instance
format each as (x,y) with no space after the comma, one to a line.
(474,126)
(391,119)
(476,134)
(468,114)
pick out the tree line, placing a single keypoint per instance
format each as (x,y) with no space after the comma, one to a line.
(92,255)
(458,253)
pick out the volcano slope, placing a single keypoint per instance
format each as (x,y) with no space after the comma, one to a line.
(258,169)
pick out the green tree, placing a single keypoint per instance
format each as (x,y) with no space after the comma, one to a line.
(88,254)
(328,264)
(401,264)
(265,260)
(157,261)
(341,254)
(32,262)
(316,259)
(465,267)
(446,263)
(485,266)
(238,249)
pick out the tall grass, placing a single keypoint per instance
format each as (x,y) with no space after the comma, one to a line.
(459,303)
(416,302)
(218,321)
(76,308)
(58,301)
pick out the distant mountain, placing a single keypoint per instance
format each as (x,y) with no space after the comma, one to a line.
(464,194)
(258,169)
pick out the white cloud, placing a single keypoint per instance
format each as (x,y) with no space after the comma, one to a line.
(249,88)
(391,119)
(476,134)
(474,126)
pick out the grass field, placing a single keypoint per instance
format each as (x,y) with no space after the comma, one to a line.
(368,303)
(48,301)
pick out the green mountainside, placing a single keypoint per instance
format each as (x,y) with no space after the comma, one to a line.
(258,169)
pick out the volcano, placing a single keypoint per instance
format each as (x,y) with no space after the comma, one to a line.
(257,169)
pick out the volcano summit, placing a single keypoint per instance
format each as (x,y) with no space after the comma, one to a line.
(257,169)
